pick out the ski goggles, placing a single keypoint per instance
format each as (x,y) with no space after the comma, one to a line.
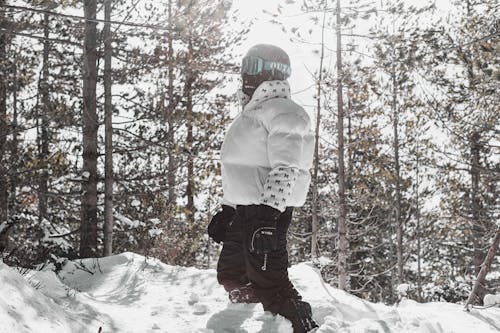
(255,65)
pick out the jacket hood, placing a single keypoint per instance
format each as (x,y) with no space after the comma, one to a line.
(265,91)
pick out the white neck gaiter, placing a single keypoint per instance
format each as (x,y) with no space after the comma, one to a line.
(265,91)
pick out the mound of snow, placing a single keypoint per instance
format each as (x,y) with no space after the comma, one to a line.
(127,293)
(491,300)
(25,308)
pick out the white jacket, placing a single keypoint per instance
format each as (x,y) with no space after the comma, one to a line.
(268,151)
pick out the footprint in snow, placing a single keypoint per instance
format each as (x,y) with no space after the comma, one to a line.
(155,310)
(193,299)
(200,309)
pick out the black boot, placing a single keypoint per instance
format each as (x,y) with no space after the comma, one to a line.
(288,303)
(299,313)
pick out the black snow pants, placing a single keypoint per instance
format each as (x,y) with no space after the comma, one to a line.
(238,266)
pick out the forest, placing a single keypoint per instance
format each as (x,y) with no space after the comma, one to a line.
(113,112)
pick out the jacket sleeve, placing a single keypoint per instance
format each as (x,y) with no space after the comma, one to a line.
(285,146)
(225,202)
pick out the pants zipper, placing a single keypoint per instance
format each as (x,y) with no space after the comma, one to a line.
(264,267)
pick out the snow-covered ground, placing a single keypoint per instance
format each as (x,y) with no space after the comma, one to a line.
(127,293)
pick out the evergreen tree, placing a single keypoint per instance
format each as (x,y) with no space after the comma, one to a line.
(462,68)
(3,132)
(90,123)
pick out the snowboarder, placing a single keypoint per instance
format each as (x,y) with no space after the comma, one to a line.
(266,155)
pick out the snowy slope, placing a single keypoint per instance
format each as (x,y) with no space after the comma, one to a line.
(127,293)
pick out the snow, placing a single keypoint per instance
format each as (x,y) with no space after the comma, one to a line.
(129,293)
(403,289)
(122,219)
(155,232)
(491,300)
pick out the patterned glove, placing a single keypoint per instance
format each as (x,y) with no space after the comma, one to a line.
(220,222)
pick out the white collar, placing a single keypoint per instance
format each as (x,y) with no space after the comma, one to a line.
(265,91)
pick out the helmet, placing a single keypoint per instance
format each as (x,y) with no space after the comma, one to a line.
(263,62)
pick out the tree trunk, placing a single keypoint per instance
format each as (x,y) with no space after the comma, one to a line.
(172,165)
(88,229)
(315,208)
(348,176)
(342,223)
(478,231)
(189,140)
(3,139)
(14,168)
(108,134)
(43,153)
(14,146)
(397,201)
(417,209)
(485,267)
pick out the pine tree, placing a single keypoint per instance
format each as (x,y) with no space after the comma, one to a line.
(43,130)
(315,177)
(342,223)
(3,133)
(461,68)
(37,98)
(180,121)
(88,228)
(108,120)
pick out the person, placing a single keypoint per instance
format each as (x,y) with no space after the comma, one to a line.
(266,156)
